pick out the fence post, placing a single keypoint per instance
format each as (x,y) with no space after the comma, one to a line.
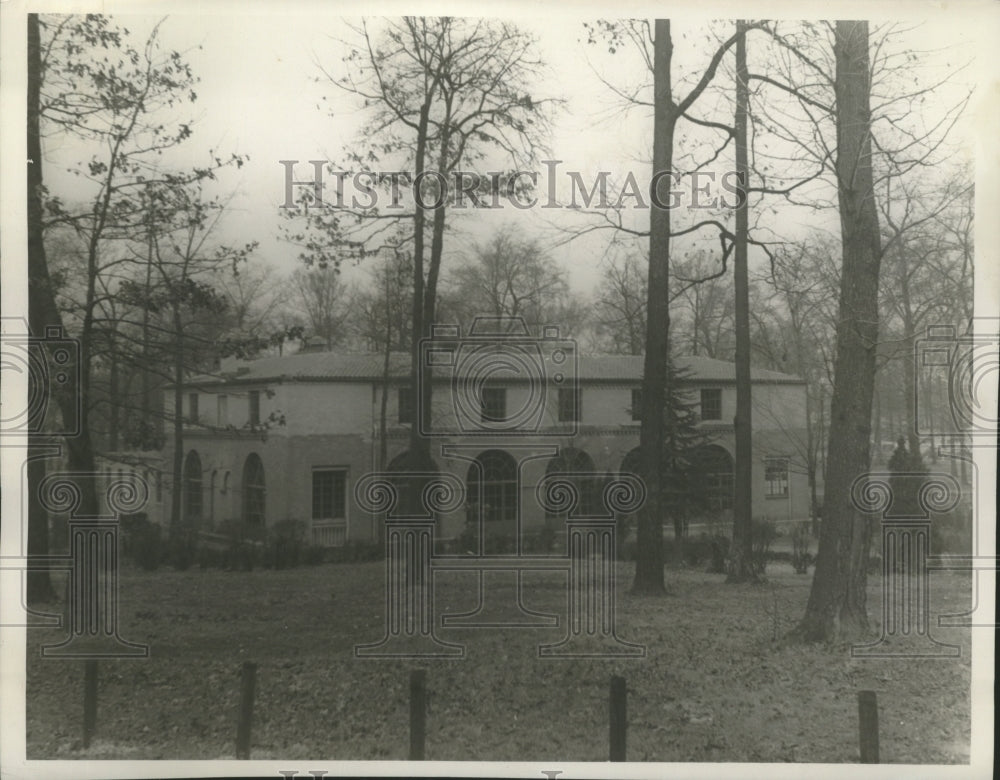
(248,678)
(418,714)
(868,726)
(618,718)
(89,700)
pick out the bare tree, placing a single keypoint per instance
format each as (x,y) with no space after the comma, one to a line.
(620,306)
(322,295)
(510,276)
(441,93)
(837,600)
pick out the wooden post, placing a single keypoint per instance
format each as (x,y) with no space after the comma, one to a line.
(418,714)
(248,679)
(89,700)
(619,718)
(868,726)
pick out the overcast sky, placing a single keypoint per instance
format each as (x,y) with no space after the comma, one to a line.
(258,96)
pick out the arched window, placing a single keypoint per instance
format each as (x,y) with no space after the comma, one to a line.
(631,463)
(491,483)
(253,491)
(570,460)
(716,465)
(192,489)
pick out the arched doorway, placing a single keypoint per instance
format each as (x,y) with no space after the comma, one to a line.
(192,490)
(254,492)
(574,461)
(491,485)
(715,464)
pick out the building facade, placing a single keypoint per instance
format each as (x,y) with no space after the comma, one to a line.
(289,438)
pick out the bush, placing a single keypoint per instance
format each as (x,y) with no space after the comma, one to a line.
(718,551)
(801,558)
(144,544)
(313,554)
(699,550)
(952,533)
(181,548)
(541,541)
(468,540)
(764,533)
(352,552)
(500,544)
(285,542)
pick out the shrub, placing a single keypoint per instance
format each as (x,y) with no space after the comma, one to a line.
(145,545)
(952,533)
(801,558)
(500,544)
(468,540)
(764,533)
(718,551)
(285,541)
(181,548)
(208,557)
(541,541)
(313,554)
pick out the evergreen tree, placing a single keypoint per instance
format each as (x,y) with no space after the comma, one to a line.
(683,490)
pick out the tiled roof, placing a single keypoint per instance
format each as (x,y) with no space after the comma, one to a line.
(339,367)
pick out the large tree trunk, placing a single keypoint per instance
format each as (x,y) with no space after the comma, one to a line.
(741,557)
(837,603)
(41,310)
(43,313)
(177,470)
(649,530)
(419,446)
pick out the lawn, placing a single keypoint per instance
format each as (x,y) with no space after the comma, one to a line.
(714,684)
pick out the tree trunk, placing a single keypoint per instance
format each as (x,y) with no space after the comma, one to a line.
(741,556)
(649,530)
(837,600)
(419,446)
(176,494)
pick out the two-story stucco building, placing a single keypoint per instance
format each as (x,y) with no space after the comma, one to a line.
(289,437)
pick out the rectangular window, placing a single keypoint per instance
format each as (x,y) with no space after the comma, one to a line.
(404,402)
(636,403)
(255,407)
(494,404)
(776,477)
(329,494)
(192,408)
(570,404)
(222,411)
(711,403)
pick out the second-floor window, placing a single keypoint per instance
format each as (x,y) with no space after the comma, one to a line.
(404,402)
(636,404)
(222,411)
(711,403)
(570,406)
(192,408)
(494,404)
(255,407)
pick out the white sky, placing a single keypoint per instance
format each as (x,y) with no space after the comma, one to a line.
(258,96)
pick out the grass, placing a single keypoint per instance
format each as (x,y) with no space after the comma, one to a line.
(714,685)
